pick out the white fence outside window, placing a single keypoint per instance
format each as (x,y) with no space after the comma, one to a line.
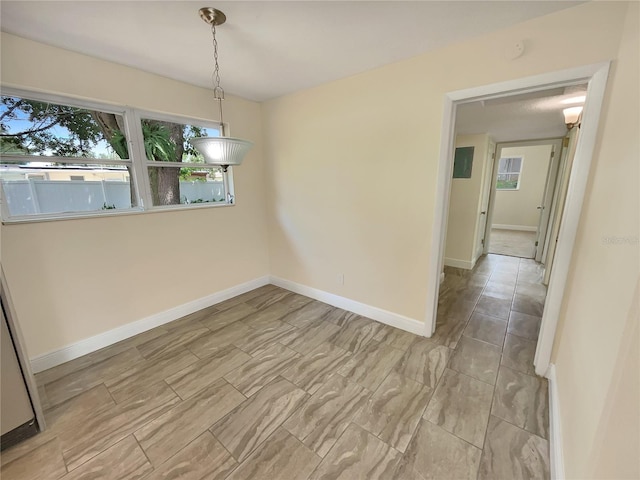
(30,197)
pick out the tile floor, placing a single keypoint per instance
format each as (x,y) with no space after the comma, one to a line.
(512,242)
(273,385)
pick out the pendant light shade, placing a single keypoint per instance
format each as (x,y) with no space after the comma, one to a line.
(222,150)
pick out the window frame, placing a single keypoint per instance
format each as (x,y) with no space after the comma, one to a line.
(519,173)
(227,177)
(137,160)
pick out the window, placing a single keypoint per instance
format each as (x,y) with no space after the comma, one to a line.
(176,171)
(64,158)
(509,173)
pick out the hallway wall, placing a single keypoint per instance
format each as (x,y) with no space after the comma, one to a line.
(464,206)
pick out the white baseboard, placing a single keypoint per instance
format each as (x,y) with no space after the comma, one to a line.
(521,228)
(454,262)
(555,427)
(91,344)
(441,277)
(384,316)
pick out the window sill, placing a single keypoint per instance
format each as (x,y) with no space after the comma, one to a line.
(133,211)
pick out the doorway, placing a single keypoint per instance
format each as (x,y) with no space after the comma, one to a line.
(521,197)
(595,76)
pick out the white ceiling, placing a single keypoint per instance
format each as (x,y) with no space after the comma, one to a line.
(528,116)
(267,49)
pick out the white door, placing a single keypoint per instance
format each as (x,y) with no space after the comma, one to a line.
(481,236)
(547,199)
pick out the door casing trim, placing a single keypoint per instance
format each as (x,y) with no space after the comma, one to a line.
(595,75)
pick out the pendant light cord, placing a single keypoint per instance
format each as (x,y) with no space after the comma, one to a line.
(218,91)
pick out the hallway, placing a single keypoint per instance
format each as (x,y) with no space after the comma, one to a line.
(491,317)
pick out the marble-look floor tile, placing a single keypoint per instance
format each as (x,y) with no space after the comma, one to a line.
(529,305)
(261,370)
(208,344)
(244,429)
(448,331)
(339,316)
(311,371)
(477,279)
(304,340)
(267,299)
(167,434)
(171,342)
(257,342)
(307,315)
(355,334)
(327,414)
(204,458)
(518,354)
(110,425)
(457,310)
(505,275)
(534,290)
(534,275)
(370,366)
(436,454)
(511,453)
(26,446)
(477,359)
(523,325)
(42,463)
(146,373)
(294,301)
(268,317)
(203,373)
(494,307)
(281,456)
(358,455)
(97,357)
(77,409)
(406,472)
(424,361)
(499,290)
(193,320)
(394,410)
(461,406)
(522,400)
(123,461)
(395,337)
(42,394)
(468,293)
(82,380)
(221,319)
(240,299)
(486,328)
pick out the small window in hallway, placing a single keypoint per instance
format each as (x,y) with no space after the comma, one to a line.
(509,172)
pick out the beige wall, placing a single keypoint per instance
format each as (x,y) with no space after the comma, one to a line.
(464,205)
(379,153)
(354,135)
(77,278)
(596,349)
(518,207)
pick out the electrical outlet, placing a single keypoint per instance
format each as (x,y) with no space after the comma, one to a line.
(340,279)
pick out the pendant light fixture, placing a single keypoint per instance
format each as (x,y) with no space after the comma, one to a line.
(222,150)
